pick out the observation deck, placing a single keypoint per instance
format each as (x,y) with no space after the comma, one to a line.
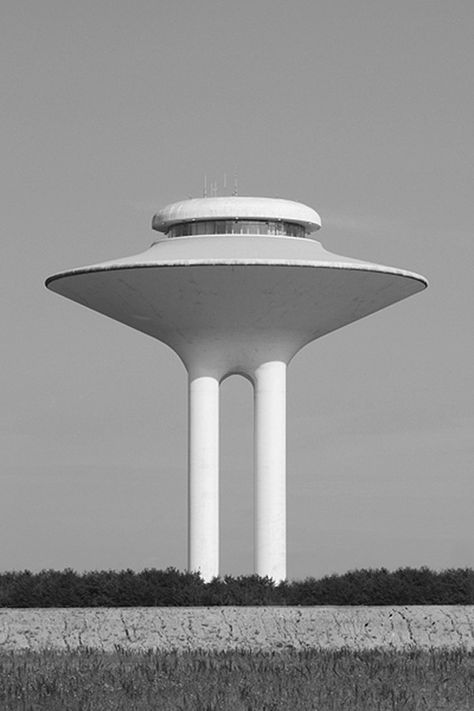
(237,216)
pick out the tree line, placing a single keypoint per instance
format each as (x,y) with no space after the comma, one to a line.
(170,587)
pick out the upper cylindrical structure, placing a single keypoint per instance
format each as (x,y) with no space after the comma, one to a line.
(231,210)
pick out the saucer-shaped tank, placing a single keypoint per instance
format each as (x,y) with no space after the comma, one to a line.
(236,281)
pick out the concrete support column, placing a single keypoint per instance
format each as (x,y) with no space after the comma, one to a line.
(203,473)
(270,470)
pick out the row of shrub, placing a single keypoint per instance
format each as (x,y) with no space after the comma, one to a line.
(150,587)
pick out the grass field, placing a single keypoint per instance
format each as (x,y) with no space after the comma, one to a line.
(255,629)
(323,680)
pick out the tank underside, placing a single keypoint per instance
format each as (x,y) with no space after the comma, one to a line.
(233,315)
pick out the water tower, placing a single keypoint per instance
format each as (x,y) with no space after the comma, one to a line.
(236,285)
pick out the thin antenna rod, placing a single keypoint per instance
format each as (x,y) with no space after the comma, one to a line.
(204,190)
(236,185)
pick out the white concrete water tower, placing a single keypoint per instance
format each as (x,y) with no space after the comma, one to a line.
(236,285)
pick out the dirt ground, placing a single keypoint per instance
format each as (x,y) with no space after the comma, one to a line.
(253,628)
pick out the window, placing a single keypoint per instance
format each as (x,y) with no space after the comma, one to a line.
(237,227)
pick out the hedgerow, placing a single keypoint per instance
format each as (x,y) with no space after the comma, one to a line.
(170,587)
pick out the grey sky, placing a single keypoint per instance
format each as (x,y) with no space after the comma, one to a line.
(364,111)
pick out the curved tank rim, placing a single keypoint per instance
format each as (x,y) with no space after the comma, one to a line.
(338,265)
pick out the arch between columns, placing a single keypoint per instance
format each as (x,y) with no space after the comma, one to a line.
(269,384)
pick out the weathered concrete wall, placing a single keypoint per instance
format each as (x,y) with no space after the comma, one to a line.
(254,628)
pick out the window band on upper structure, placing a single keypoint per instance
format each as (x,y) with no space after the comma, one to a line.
(236,227)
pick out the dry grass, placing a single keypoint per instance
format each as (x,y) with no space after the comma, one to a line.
(250,628)
(323,680)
